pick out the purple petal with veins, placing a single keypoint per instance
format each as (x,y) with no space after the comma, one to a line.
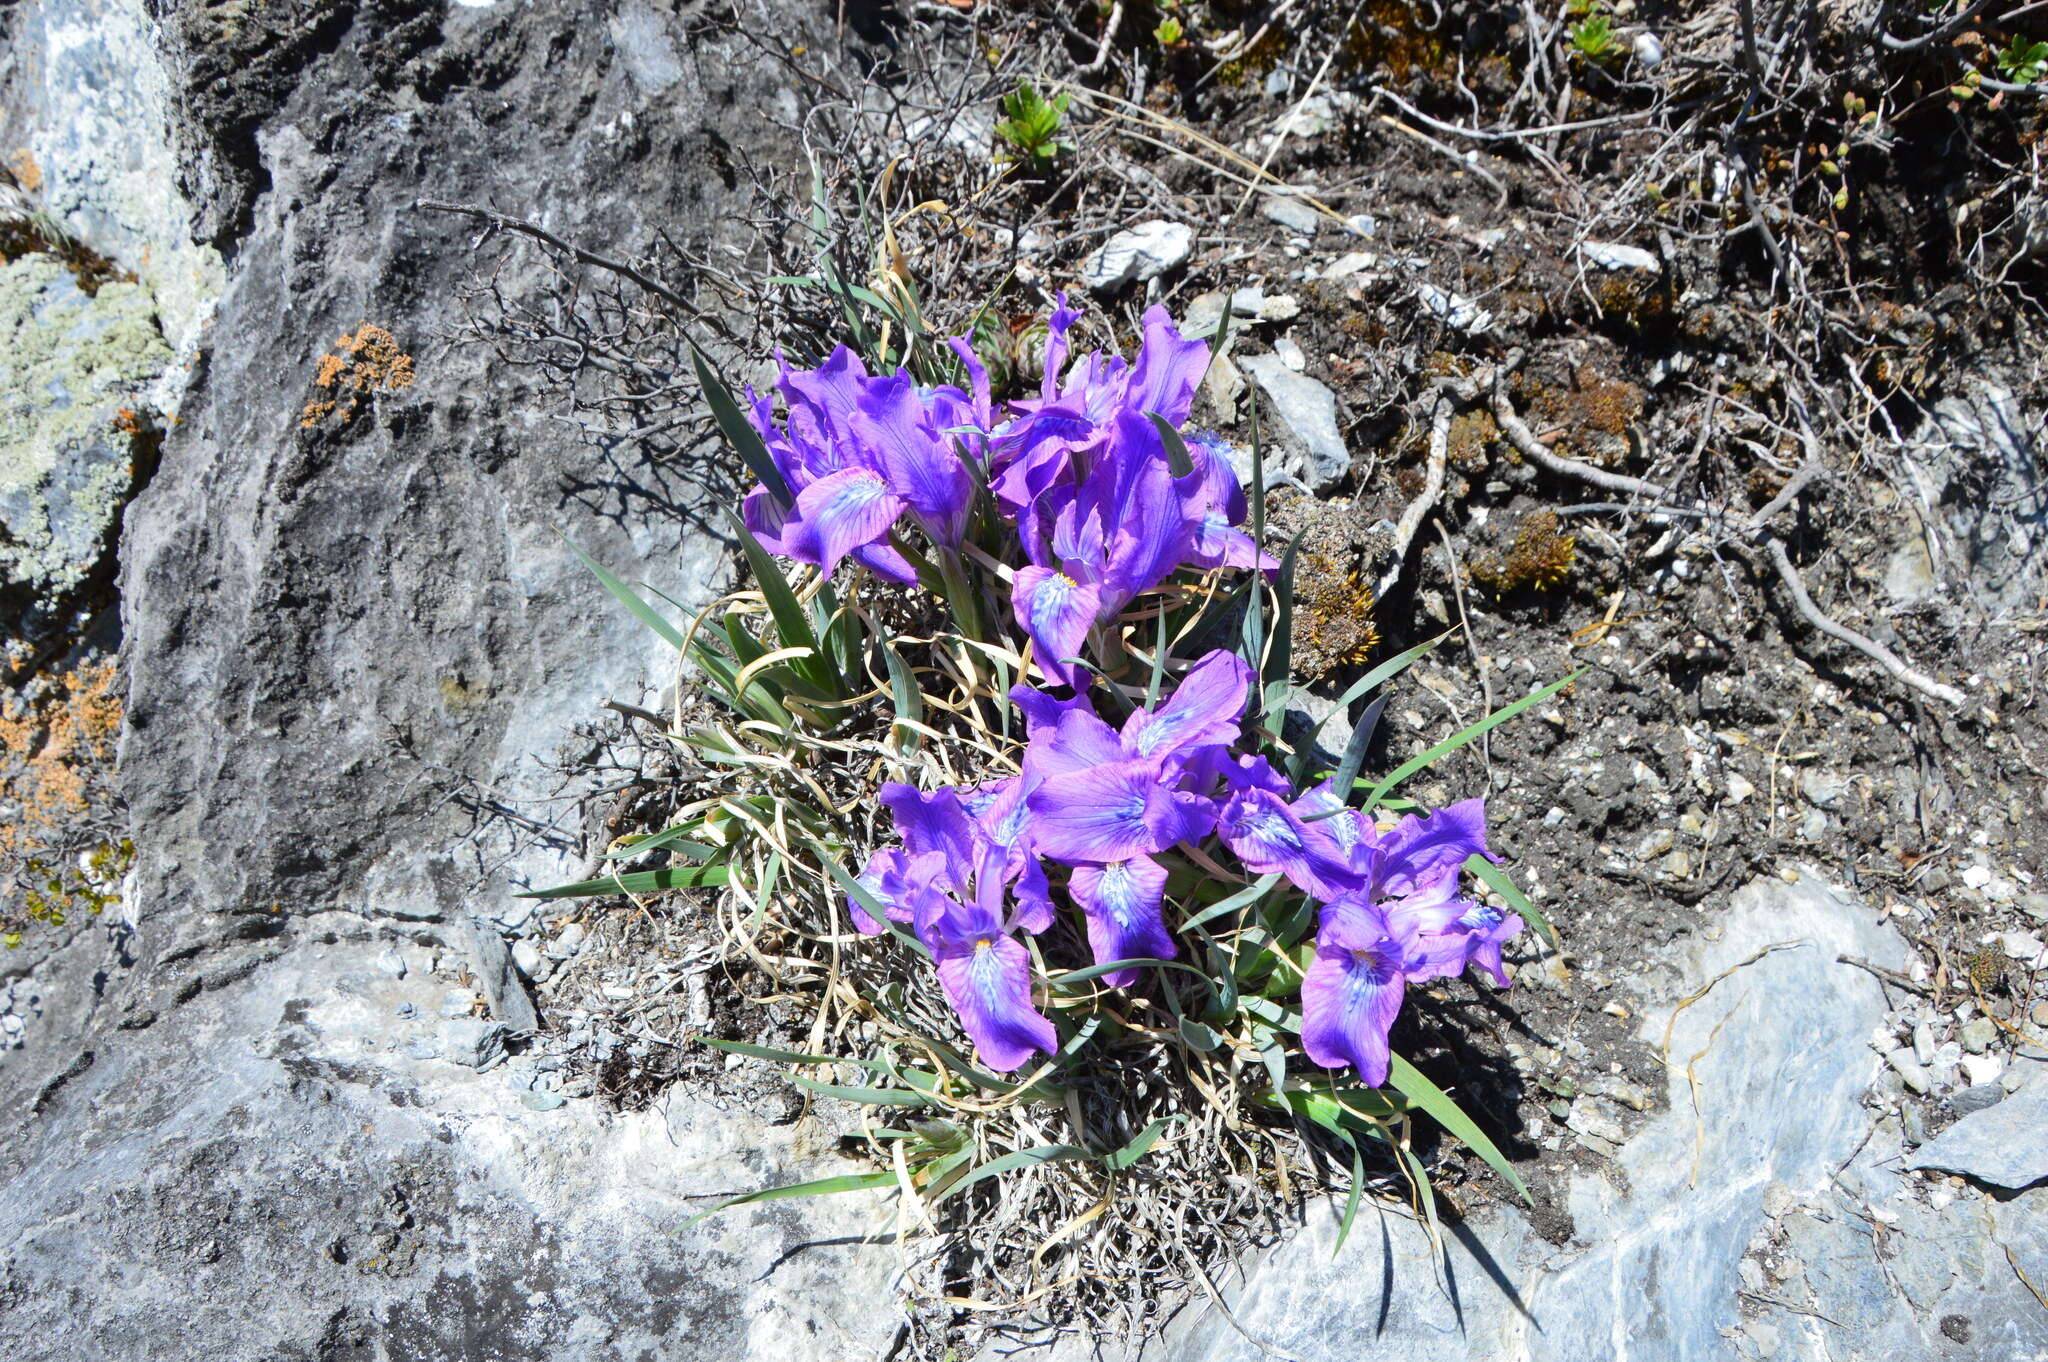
(1352,990)
(1057,612)
(839,513)
(1203,710)
(1113,813)
(1269,837)
(1121,903)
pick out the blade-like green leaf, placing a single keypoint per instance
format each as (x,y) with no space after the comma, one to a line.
(628,597)
(1023,1158)
(1177,461)
(848,1182)
(675,839)
(1352,1198)
(738,430)
(792,624)
(1081,976)
(1409,1082)
(1497,880)
(909,699)
(1354,751)
(1449,745)
(872,1097)
(1243,898)
(639,882)
(1139,1146)
(1280,658)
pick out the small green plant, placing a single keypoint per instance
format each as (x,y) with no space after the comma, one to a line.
(2022,62)
(1168,34)
(1593,38)
(1031,126)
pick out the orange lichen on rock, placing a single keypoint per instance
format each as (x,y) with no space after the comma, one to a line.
(22,165)
(62,846)
(362,363)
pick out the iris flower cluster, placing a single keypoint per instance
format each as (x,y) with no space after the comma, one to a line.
(1104,805)
(1105,500)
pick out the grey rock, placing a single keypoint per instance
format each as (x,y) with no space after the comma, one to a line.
(90,102)
(499,976)
(69,363)
(1607,255)
(1348,264)
(1923,1043)
(1292,213)
(2000,1144)
(1910,1071)
(1657,1265)
(1975,466)
(1976,1098)
(1307,413)
(1454,310)
(473,1042)
(1362,224)
(1909,576)
(530,961)
(1138,255)
(267,1161)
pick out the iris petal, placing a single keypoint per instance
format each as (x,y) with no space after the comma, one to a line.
(1121,902)
(987,979)
(1057,612)
(1352,992)
(841,512)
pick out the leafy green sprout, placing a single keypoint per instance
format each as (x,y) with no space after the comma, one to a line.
(2023,62)
(1594,39)
(1169,32)
(1031,126)
(792,666)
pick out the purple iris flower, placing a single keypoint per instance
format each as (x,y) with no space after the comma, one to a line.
(1105,800)
(986,973)
(1352,990)
(1216,506)
(959,861)
(1272,834)
(1119,532)
(858,451)
(1121,902)
(1403,923)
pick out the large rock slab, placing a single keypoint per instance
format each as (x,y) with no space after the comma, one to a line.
(1768,1061)
(231,1130)
(86,129)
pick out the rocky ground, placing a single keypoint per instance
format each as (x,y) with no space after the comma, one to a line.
(319,1085)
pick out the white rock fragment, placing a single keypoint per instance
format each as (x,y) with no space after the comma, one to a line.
(1454,310)
(1738,788)
(1292,213)
(1350,263)
(1977,876)
(1308,411)
(1138,256)
(1608,255)
(1362,224)
(1647,49)
(1290,354)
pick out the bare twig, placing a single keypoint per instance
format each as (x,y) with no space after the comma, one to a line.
(1432,488)
(1870,647)
(505,223)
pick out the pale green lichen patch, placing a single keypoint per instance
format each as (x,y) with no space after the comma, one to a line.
(69,364)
